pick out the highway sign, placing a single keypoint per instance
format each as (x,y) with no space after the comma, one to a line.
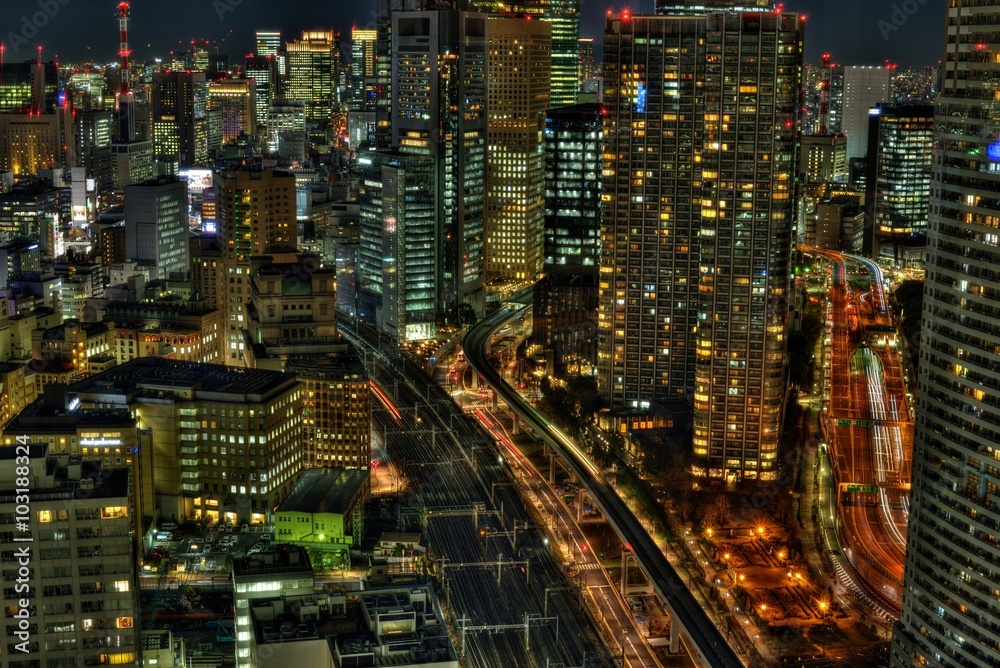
(867,424)
(843,423)
(862,489)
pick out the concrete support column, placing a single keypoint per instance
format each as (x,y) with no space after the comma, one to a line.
(675,633)
(552,468)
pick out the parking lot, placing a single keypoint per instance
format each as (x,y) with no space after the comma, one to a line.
(197,548)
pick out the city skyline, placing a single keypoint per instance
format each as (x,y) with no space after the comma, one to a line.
(854,32)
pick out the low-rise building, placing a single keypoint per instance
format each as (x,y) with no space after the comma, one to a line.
(322,506)
(226,442)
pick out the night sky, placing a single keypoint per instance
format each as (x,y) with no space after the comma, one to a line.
(863,32)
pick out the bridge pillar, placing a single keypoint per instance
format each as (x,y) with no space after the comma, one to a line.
(475,380)
(495,399)
(552,468)
(675,633)
(623,585)
(580,497)
(517,428)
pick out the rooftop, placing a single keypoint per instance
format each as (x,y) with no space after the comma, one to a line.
(324,491)
(282,559)
(157,372)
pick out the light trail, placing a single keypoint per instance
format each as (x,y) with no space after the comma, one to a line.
(385,401)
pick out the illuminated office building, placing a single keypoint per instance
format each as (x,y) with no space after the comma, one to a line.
(398,265)
(180,127)
(26,86)
(703,7)
(226,442)
(519,67)
(156,226)
(256,214)
(363,43)
(264,72)
(565,311)
(236,100)
(269,44)
(898,183)
(950,605)
(439,83)
(313,63)
(564,17)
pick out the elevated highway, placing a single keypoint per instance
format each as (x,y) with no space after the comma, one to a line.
(689,622)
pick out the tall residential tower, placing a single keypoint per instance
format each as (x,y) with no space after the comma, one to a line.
(951,585)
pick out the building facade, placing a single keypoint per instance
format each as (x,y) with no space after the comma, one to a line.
(313,63)
(399,257)
(80,593)
(256,214)
(898,182)
(864,87)
(565,313)
(156,225)
(439,84)
(749,183)
(520,64)
(950,604)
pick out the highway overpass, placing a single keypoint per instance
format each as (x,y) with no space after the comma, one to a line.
(704,640)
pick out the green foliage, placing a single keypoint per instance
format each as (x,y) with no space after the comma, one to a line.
(642,492)
(910,297)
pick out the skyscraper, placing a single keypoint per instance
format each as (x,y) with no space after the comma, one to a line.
(898,183)
(439,110)
(399,256)
(864,87)
(264,72)
(313,63)
(384,9)
(180,128)
(256,213)
(698,212)
(649,265)
(950,609)
(363,42)
(564,17)
(519,67)
(156,226)
(749,176)
(269,44)
(236,99)
(565,314)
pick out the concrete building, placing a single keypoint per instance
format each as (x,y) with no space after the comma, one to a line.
(256,214)
(292,327)
(284,571)
(321,507)
(263,71)
(240,464)
(363,41)
(823,158)
(237,100)
(865,86)
(950,608)
(520,64)
(183,330)
(156,226)
(80,601)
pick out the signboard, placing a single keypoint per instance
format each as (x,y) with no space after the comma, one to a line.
(862,489)
(867,424)
(993,151)
(843,423)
